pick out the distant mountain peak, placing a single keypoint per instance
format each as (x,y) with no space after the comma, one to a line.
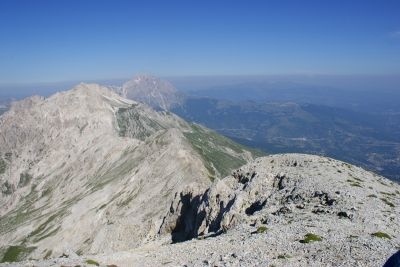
(153,91)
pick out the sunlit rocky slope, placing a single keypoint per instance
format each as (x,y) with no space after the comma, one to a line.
(89,171)
(280,210)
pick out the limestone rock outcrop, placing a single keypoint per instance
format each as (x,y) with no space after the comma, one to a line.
(95,172)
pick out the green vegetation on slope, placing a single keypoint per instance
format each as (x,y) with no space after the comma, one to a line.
(133,124)
(16,253)
(92,262)
(381,235)
(308,238)
(220,154)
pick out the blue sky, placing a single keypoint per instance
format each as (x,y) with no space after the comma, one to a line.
(48,41)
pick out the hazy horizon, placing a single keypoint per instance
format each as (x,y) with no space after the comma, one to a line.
(201,82)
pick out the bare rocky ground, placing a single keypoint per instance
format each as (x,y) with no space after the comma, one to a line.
(280,210)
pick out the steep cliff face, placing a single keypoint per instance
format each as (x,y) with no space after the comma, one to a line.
(91,171)
(305,209)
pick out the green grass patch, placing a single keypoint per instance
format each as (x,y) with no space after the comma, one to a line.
(220,154)
(283,257)
(92,262)
(42,229)
(309,238)
(381,235)
(262,229)
(16,253)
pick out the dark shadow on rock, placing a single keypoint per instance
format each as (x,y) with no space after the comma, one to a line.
(215,225)
(191,218)
(186,223)
(256,206)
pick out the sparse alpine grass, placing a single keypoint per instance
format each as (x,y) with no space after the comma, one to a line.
(381,235)
(309,238)
(92,262)
(262,229)
(16,253)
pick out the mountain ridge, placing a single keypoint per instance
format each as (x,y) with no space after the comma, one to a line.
(88,155)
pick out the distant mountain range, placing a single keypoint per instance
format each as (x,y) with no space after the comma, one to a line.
(355,126)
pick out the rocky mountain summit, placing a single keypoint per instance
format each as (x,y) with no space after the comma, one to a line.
(89,171)
(155,92)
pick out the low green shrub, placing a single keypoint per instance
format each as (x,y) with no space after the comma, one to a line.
(262,229)
(92,262)
(381,235)
(308,238)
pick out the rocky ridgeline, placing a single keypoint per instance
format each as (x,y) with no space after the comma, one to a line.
(89,171)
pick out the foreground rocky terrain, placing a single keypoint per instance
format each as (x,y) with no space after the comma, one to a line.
(280,210)
(92,172)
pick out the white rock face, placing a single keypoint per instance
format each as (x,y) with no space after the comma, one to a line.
(157,93)
(293,209)
(281,210)
(89,171)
